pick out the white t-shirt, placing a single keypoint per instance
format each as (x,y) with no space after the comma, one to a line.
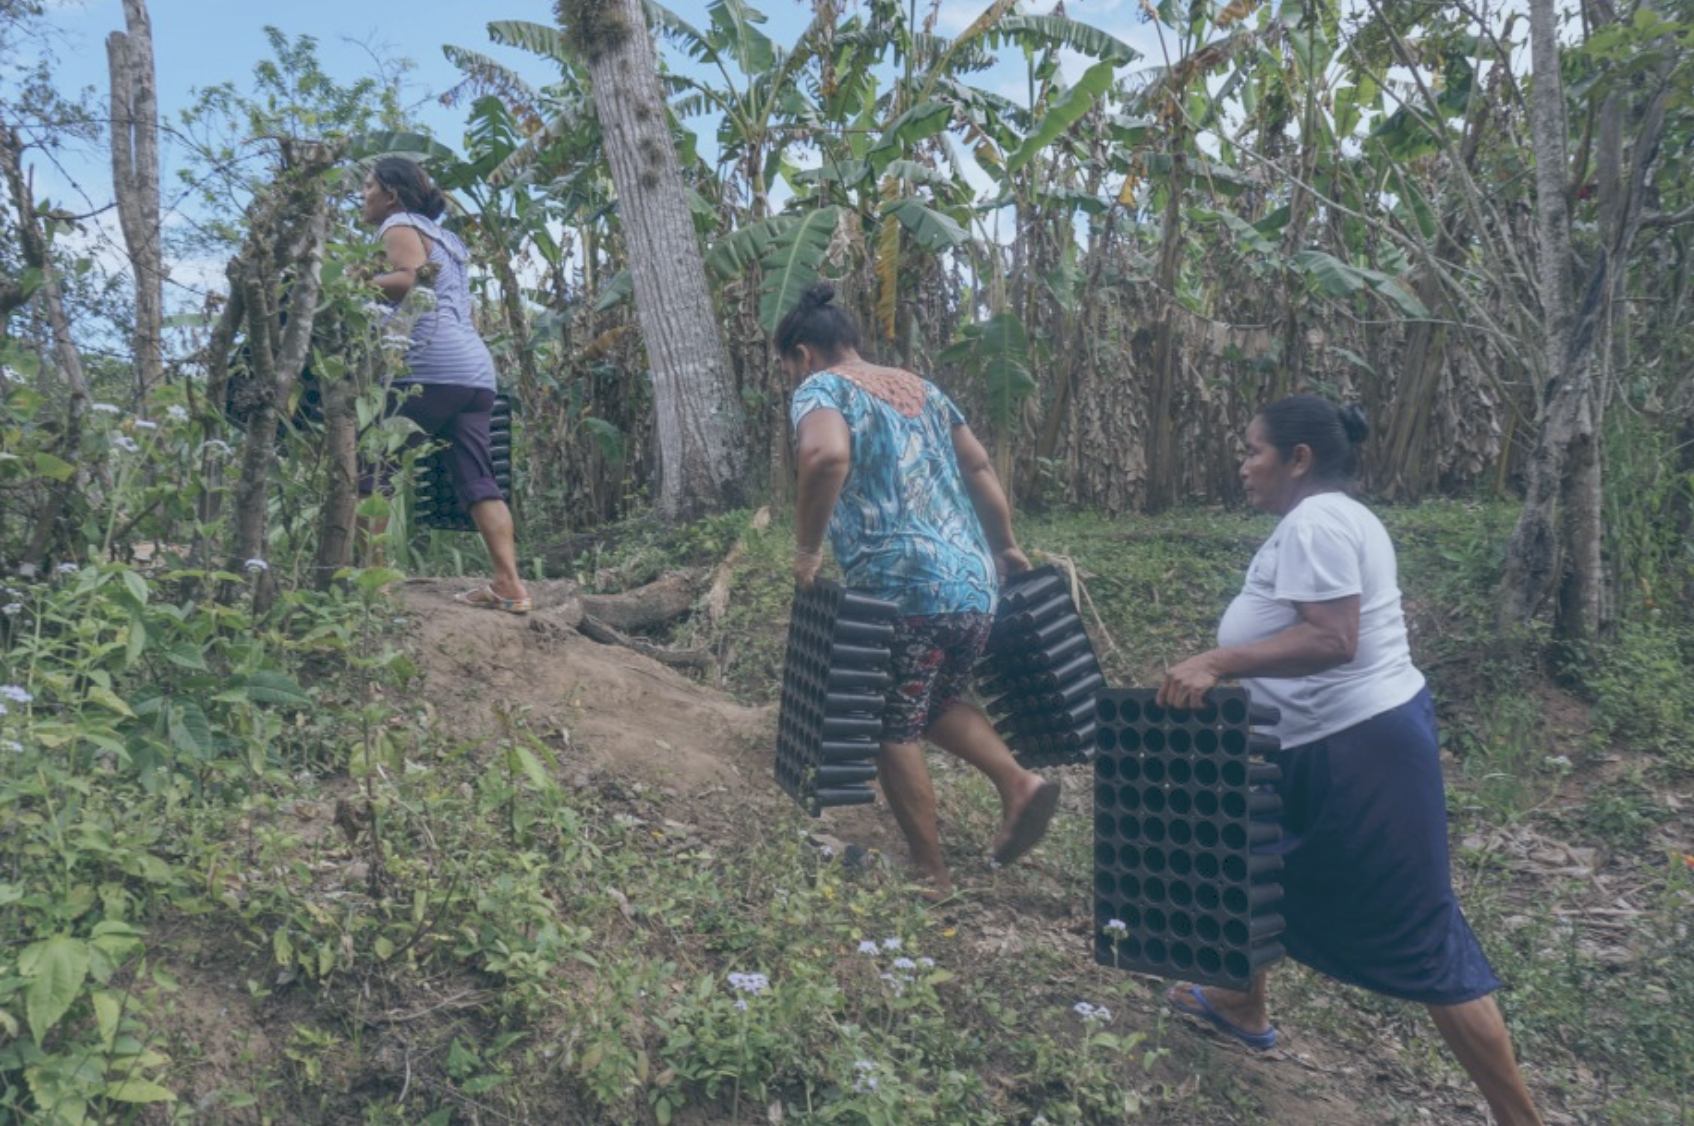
(1329,546)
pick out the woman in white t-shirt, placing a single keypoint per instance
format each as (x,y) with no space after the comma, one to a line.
(1317,631)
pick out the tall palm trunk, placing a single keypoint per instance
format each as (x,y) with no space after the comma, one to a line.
(702,454)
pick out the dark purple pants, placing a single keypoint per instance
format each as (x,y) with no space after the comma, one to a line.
(461,415)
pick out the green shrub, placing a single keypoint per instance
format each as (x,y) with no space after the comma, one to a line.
(1643,695)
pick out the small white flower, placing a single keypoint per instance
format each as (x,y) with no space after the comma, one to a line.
(865,1081)
(1557,762)
(68,568)
(749,983)
(177,414)
(214,446)
(15,694)
(1092,1013)
(927,963)
(12,609)
(905,964)
(891,944)
(256,565)
(3,710)
(104,408)
(145,424)
(1117,928)
(868,947)
(125,443)
(899,983)
(741,1005)
(11,746)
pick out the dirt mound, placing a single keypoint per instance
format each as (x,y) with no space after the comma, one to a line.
(606,707)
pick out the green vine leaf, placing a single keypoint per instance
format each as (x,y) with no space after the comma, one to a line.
(57,968)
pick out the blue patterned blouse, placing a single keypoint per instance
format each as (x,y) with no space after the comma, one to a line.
(904,528)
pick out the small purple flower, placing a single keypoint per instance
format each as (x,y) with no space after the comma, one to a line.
(15,694)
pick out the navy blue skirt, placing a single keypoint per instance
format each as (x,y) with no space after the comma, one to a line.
(1368,895)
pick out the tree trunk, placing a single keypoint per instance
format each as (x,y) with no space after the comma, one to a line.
(1552,551)
(702,454)
(287,237)
(341,449)
(135,176)
(1534,555)
(1161,425)
(38,253)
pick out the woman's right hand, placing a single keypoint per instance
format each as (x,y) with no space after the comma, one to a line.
(1186,684)
(1011,561)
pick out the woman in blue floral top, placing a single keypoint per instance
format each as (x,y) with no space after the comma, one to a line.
(916,516)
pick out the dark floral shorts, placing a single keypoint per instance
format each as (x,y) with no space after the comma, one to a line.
(933,658)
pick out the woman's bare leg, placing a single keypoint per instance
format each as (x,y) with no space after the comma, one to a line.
(494,520)
(1476,1033)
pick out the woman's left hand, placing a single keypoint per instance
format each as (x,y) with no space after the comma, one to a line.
(1186,684)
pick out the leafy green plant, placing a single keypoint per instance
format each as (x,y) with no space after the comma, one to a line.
(1643,697)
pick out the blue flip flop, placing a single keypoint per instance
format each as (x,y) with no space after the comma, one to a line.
(1202,1008)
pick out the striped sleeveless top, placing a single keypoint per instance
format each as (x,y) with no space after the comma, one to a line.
(445,347)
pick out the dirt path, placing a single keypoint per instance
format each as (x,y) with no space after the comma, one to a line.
(608,712)
(606,707)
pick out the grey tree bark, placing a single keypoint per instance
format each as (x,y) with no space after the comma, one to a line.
(288,231)
(135,176)
(1534,555)
(37,252)
(702,454)
(1556,549)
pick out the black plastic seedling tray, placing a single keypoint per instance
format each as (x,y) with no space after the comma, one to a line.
(1183,813)
(435,504)
(1040,672)
(835,672)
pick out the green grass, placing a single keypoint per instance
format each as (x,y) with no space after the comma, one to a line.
(507,947)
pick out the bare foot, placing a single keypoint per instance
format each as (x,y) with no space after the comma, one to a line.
(1026,817)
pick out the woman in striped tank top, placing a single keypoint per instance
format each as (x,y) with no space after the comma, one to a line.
(448,387)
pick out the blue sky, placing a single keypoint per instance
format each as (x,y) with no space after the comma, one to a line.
(201,43)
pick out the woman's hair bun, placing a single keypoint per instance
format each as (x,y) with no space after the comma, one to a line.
(1354,422)
(817,295)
